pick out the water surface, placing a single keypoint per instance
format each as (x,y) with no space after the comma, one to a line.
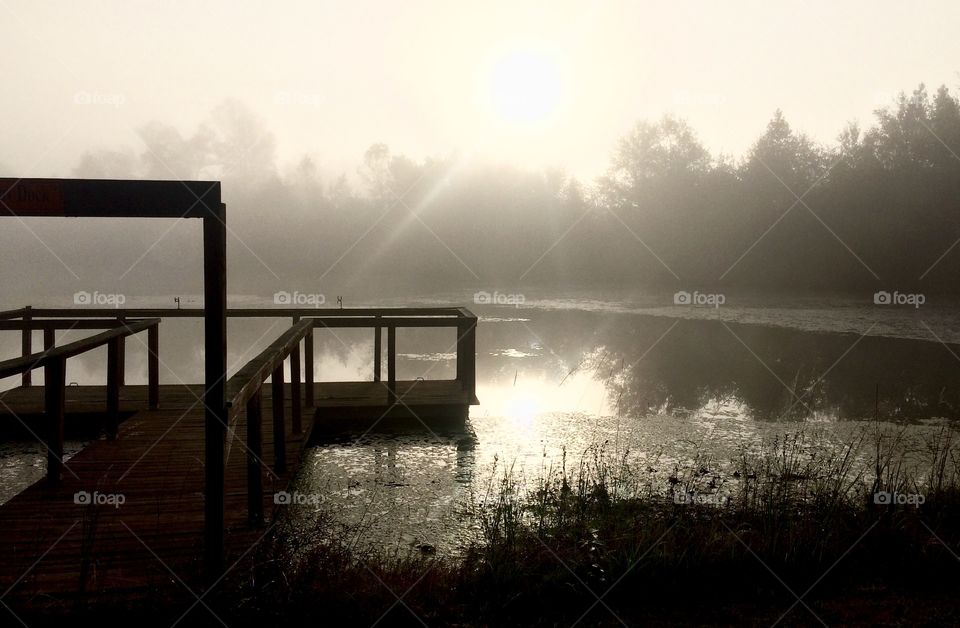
(662,386)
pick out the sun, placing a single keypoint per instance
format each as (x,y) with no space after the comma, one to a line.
(526,87)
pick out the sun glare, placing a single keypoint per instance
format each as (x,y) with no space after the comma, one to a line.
(526,87)
(522,409)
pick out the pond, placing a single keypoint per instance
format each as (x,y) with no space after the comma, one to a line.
(581,378)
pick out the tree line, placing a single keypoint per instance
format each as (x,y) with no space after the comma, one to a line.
(877,209)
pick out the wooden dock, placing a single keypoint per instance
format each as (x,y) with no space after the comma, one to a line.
(59,544)
(61,548)
(129,516)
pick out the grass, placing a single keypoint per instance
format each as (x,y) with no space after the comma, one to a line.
(600,540)
(606,541)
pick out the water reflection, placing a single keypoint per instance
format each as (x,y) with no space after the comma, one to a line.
(650,365)
(399,490)
(556,386)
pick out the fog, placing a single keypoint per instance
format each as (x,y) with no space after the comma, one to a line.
(874,210)
(368,149)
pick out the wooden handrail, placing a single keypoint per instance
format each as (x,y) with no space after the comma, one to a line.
(8,314)
(249,379)
(233,312)
(53,360)
(61,323)
(386,321)
(244,393)
(69,350)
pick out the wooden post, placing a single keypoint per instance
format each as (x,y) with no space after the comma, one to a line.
(467,355)
(377,351)
(461,353)
(54,381)
(391,364)
(308,367)
(123,354)
(113,387)
(279,436)
(49,338)
(153,366)
(295,399)
(254,455)
(215,376)
(26,346)
(472,358)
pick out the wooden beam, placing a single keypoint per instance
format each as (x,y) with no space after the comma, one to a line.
(64,323)
(11,314)
(467,356)
(377,354)
(448,312)
(49,341)
(107,198)
(471,348)
(386,321)
(296,400)
(122,360)
(215,376)
(26,346)
(391,365)
(122,368)
(308,367)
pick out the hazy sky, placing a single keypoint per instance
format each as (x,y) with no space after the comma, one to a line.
(330,78)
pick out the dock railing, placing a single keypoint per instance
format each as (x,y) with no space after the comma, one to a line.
(377,318)
(244,388)
(53,362)
(244,394)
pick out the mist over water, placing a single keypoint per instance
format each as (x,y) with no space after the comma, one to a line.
(559,378)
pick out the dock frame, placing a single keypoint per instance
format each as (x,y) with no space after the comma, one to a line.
(223,402)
